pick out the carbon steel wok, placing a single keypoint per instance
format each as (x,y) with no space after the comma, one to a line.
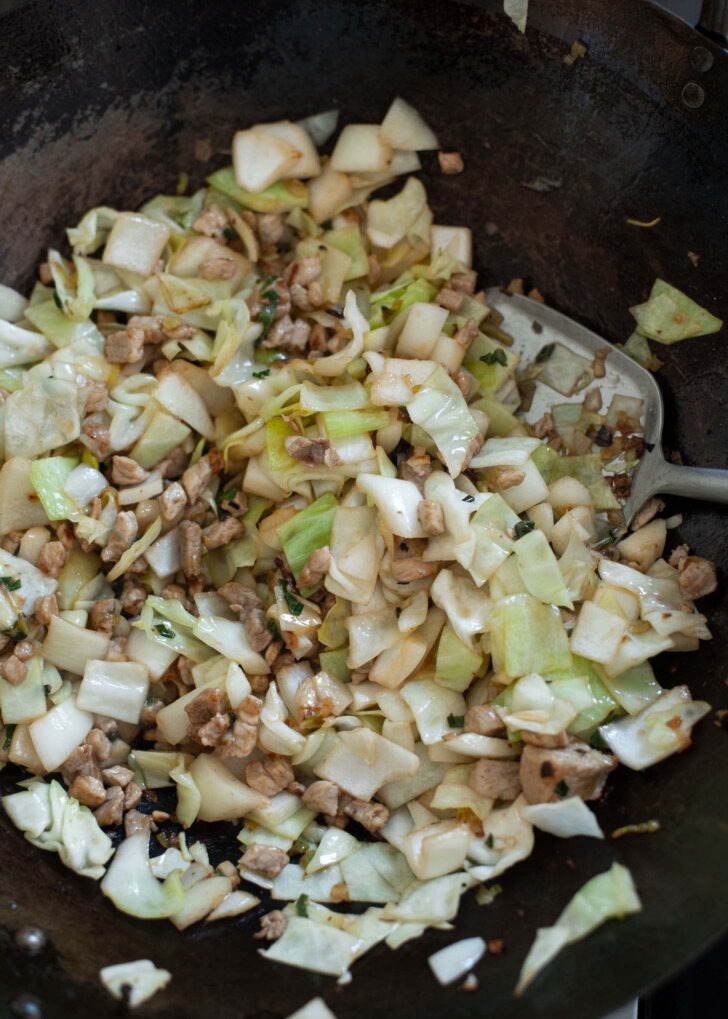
(102,102)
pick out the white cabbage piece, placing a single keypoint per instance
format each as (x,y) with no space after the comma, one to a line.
(507,839)
(316,1008)
(21,346)
(430,902)
(133,888)
(361,761)
(454,961)
(565,818)
(661,729)
(535,708)
(606,896)
(468,608)
(517,11)
(440,409)
(44,414)
(134,982)
(34,584)
(313,946)
(54,821)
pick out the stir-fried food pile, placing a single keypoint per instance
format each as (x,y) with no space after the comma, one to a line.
(276,536)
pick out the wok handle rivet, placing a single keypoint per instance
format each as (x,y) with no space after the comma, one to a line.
(693,95)
(701,59)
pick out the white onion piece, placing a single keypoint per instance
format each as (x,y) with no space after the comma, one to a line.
(116,689)
(361,149)
(454,961)
(260,159)
(59,732)
(134,982)
(135,243)
(404,128)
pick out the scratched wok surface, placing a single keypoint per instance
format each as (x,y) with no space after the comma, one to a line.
(101,104)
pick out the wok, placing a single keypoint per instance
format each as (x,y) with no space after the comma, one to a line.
(102,103)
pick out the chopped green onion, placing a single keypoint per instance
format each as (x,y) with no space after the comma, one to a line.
(164,630)
(561,789)
(545,353)
(523,527)
(302,905)
(12,583)
(495,357)
(272,628)
(537,328)
(267,313)
(294,605)
(262,374)
(456,721)
(9,730)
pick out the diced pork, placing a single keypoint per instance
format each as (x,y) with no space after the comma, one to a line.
(577,770)
(496,780)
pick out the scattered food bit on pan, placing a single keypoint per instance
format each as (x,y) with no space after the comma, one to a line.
(543,184)
(577,51)
(645,224)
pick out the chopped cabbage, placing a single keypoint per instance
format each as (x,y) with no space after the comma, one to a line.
(54,821)
(606,896)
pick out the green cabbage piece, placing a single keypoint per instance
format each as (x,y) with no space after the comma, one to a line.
(48,476)
(282,196)
(606,896)
(669,316)
(528,636)
(456,663)
(308,530)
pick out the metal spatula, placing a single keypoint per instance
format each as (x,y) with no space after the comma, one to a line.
(533,325)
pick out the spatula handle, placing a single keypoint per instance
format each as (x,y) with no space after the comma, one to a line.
(707,483)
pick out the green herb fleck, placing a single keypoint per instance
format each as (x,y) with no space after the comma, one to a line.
(272,627)
(495,357)
(12,583)
(57,300)
(294,605)
(537,328)
(232,717)
(485,894)
(545,353)
(164,630)
(489,840)
(561,789)
(262,374)
(523,527)
(9,730)
(227,494)
(302,905)
(456,721)
(267,313)
(229,234)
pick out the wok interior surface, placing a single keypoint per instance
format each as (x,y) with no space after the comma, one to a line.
(102,103)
